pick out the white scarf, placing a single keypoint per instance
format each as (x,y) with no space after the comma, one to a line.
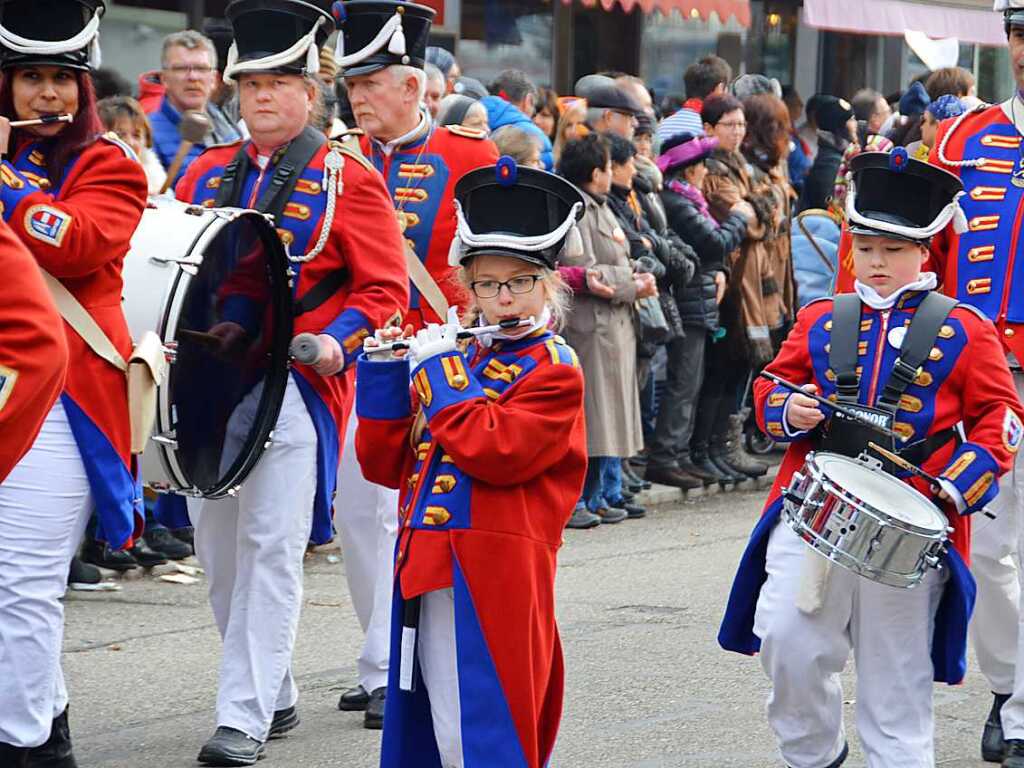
(487,339)
(926,282)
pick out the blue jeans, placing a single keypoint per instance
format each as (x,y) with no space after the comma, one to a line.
(603,485)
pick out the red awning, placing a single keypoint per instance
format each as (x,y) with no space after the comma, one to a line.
(894,17)
(740,9)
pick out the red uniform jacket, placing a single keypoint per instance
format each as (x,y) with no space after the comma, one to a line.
(365,240)
(421,176)
(949,389)
(79,231)
(33,351)
(486,492)
(984,267)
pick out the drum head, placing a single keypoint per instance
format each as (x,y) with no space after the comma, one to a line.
(232,327)
(883,492)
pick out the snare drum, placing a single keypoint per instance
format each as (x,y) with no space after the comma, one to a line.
(865,520)
(214,285)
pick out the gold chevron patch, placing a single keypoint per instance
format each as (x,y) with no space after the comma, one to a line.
(986,194)
(981,253)
(1000,142)
(991,165)
(421,382)
(960,465)
(983,223)
(415,170)
(776,399)
(355,341)
(214,182)
(297,211)
(455,372)
(979,285)
(307,187)
(911,404)
(976,491)
(411,195)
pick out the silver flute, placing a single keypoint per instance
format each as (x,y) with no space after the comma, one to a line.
(370,345)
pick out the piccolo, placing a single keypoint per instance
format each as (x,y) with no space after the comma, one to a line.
(45,120)
(370,345)
(850,413)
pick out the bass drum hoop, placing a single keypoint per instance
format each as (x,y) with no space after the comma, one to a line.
(279,368)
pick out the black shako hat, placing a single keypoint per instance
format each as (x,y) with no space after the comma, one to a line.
(1013,13)
(893,195)
(63,33)
(374,34)
(276,36)
(604,93)
(511,210)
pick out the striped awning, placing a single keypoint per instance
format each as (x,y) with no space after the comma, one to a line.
(739,9)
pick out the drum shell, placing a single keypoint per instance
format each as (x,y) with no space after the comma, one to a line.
(850,532)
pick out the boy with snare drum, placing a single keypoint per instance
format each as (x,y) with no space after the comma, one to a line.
(933,372)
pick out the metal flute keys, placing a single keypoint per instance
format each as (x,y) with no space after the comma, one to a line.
(369,344)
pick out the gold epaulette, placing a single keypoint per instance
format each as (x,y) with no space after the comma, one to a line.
(467,133)
(348,150)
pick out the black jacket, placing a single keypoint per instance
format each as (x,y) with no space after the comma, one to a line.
(697,305)
(821,181)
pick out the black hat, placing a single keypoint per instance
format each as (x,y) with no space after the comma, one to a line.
(380,33)
(470,86)
(832,114)
(63,33)
(276,36)
(893,195)
(604,93)
(515,211)
(221,35)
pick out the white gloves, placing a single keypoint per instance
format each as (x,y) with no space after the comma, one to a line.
(436,339)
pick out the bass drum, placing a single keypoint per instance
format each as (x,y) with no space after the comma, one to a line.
(214,285)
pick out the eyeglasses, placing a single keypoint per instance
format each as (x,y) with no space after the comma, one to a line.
(186,69)
(734,126)
(489,289)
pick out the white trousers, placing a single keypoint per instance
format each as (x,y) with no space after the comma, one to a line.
(997,550)
(889,631)
(45,503)
(436,653)
(366,516)
(251,547)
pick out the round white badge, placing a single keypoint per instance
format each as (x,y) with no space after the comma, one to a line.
(897,335)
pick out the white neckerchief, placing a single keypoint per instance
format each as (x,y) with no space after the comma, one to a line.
(869,295)
(487,339)
(421,126)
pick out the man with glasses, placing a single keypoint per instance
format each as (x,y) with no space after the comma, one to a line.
(190,77)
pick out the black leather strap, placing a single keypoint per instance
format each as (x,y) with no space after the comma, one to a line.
(329,285)
(917,453)
(917,345)
(842,355)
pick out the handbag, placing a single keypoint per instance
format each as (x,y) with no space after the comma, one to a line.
(654,328)
(145,368)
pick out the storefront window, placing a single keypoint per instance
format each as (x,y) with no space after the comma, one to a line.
(671,43)
(995,77)
(506,34)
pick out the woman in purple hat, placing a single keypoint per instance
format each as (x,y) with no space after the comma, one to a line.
(682,163)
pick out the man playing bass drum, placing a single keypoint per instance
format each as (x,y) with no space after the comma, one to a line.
(334,214)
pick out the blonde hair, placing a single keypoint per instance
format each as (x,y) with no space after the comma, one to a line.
(578,109)
(557,295)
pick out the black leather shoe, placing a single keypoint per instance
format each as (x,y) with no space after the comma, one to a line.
(167,544)
(13,757)
(284,721)
(734,475)
(993,748)
(708,478)
(98,553)
(145,556)
(374,718)
(672,476)
(55,752)
(633,511)
(82,576)
(186,534)
(354,700)
(1014,754)
(228,746)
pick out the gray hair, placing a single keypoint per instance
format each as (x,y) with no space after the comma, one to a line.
(516,142)
(402,71)
(191,40)
(433,72)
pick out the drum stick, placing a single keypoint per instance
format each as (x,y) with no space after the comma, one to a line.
(848,412)
(466,333)
(913,469)
(44,120)
(305,348)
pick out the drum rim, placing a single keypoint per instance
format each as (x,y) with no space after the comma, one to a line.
(830,483)
(275,381)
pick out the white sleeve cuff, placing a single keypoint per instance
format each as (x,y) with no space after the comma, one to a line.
(953,493)
(790,432)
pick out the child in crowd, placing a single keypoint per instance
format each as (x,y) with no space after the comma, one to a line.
(124,116)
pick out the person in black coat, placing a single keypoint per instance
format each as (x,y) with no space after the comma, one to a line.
(836,127)
(682,163)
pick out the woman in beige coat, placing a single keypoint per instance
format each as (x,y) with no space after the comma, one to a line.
(602,332)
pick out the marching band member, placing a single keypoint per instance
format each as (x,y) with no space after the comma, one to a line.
(420,162)
(489,452)
(334,214)
(74,199)
(864,349)
(33,351)
(983,147)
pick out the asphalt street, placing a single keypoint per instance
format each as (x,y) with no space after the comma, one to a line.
(639,605)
